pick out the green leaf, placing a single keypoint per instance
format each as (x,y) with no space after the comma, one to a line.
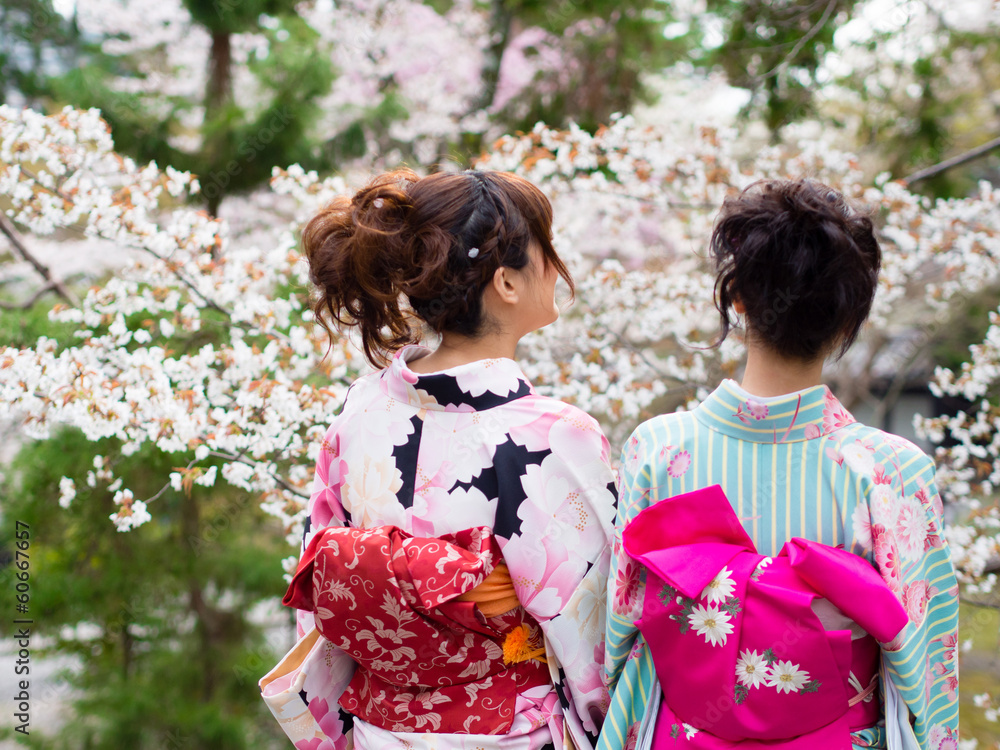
(740,692)
(811,687)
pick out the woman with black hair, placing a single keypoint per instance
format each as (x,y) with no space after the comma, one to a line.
(726,554)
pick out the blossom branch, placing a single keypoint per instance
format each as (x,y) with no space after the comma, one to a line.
(242,459)
(956,161)
(7,228)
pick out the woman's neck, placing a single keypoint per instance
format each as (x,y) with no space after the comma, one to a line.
(455,350)
(769,374)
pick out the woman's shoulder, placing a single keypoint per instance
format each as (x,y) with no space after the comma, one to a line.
(364,389)
(357,398)
(665,427)
(863,448)
(559,409)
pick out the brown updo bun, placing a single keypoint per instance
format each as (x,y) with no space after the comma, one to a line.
(802,261)
(400,248)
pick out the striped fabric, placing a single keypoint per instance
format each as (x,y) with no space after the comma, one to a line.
(798,465)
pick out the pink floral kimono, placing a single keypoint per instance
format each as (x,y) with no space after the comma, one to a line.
(743,643)
(472,460)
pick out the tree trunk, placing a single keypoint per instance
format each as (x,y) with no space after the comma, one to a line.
(219,91)
(218,96)
(191,530)
(500,23)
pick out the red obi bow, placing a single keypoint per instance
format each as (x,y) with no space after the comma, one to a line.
(426,662)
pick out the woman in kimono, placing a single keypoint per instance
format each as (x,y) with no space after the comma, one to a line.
(458,535)
(799,266)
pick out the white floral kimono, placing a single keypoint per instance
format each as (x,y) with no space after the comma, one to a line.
(475,446)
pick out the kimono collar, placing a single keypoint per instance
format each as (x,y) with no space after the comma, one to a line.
(804,415)
(471,387)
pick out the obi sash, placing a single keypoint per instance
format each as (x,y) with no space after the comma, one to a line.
(742,657)
(405,609)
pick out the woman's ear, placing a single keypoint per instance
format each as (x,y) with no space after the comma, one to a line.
(738,307)
(504,285)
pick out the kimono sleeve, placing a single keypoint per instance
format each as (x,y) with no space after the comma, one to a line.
(627,663)
(913,558)
(559,563)
(329,678)
(324,507)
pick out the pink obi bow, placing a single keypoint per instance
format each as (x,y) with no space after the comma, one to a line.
(742,658)
(426,662)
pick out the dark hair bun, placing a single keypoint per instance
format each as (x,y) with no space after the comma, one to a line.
(425,247)
(801,260)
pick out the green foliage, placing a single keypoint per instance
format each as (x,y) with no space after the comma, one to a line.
(238,146)
(22,328)
(235,16)
(610,46)
(920,111)
(31,33)
(166,651)
(967,327)
(774,49)
(138,130)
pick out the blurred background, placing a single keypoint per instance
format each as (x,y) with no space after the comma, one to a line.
(157,640)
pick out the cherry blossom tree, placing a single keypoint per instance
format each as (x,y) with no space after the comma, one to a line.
(214,357)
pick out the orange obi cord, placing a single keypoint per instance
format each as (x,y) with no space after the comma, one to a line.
(495,595)
(519,646)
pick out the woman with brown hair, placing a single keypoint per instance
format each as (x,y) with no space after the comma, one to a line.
(457,540)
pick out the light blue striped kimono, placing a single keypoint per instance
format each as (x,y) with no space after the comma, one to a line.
(797,465)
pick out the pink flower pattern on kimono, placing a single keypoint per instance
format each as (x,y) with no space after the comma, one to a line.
(637,649)
(861,523)
(543,580)
(632,737)
(950,673)
(886,555)
(834,455)
(884,503)
(915,596)
(911,528)
(932,502)
(631,453)
(950,687)
(628,587)
(323,502)
(330,722)
(950,642)
(835,415)
(933,538)
(679,464)
(754,410)
(942,737)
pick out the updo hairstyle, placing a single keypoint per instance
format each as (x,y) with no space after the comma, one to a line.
(428,247)
(803,262)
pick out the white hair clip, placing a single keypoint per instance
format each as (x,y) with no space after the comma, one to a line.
(378,203)
(473,252)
